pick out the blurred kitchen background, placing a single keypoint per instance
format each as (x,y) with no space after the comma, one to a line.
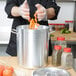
(5,28)
(67,12)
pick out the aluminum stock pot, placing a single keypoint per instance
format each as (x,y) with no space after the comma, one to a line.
(32,46)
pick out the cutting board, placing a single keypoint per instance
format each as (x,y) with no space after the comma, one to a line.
(20,71)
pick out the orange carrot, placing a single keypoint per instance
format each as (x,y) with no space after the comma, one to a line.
(33,23)
(35,15)
(1,70)
(7,72)
(10,68)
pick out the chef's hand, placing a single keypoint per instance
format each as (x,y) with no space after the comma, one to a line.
(24,10)
(41,12)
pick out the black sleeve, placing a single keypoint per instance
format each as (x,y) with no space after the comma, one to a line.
(8,7)
(52,3)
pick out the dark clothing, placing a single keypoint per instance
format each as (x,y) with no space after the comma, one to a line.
(12,50)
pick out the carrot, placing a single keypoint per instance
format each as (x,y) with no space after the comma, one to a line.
(7,72)
(10,68)
(1,70)
(33,23)
(35,15)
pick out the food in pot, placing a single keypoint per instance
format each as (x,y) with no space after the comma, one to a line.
(33,22)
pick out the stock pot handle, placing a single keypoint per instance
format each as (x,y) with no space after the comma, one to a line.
(14,31)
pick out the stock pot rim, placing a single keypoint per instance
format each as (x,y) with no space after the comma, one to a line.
(42,27)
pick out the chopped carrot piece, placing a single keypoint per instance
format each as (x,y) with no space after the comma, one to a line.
(10,68)
(33,23)
(7,72)
(1,70)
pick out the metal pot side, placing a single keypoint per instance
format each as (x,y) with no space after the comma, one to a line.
(32,46)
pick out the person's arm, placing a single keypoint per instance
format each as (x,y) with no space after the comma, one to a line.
(15,11)
(52,9)
(22,10)
(50,13)
(9,5)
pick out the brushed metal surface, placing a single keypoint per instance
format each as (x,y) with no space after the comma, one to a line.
(51,71)
(32,46)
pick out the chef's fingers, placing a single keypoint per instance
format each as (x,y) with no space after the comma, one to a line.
(41,12)
(25,10)
(26,17)
(39,6)
(25,4)
(41,15)
(26,14)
